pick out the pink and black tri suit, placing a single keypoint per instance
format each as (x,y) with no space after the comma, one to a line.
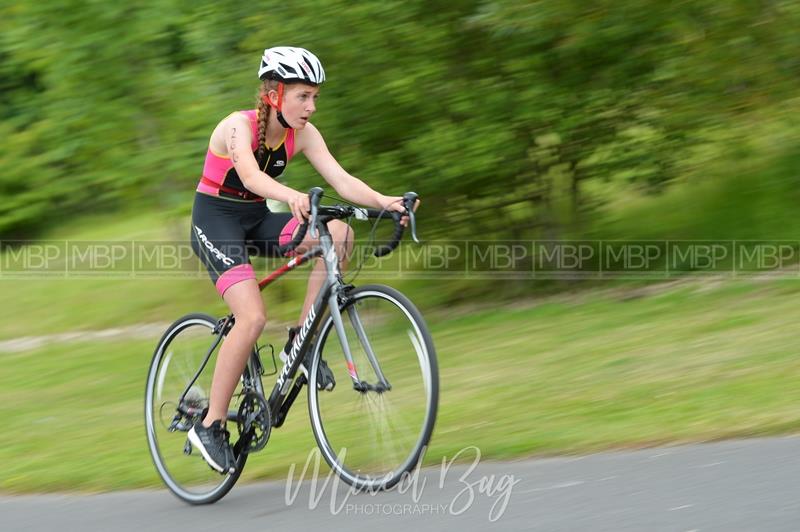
(230,223)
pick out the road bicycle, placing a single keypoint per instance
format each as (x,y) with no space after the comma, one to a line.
(371,429)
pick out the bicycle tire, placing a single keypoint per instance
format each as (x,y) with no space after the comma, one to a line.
(335,419)
(189,337)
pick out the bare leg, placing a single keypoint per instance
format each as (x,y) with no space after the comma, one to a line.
(244,300)
(343,240)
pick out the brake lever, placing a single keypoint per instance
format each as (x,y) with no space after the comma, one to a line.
(315,194)
(409,200)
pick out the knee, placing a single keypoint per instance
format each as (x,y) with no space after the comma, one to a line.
(252,322)
(341,232)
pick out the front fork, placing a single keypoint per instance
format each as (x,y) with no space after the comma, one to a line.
(340,296)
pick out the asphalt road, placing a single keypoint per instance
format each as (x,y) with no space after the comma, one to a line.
(726,486)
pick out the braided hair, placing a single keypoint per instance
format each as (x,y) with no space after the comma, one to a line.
(263,116)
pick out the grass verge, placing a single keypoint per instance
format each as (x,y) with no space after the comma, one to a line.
(693,363)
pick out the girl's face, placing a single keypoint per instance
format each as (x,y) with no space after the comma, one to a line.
(299,103)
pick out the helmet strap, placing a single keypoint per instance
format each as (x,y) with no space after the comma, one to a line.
(283,121)
(279,106)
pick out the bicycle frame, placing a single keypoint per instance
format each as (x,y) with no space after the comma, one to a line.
(332,291)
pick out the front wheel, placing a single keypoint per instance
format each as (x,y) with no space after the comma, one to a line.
(375,425)
(178,357)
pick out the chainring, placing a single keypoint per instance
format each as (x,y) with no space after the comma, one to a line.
(254,422)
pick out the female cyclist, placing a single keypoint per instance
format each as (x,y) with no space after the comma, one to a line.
(230,219)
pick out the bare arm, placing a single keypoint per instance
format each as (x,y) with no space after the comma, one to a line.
(347,186)
(238,140)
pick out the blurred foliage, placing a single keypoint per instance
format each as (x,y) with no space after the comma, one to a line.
(542,113)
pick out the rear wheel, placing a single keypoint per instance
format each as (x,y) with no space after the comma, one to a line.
(374,431)
(177,358)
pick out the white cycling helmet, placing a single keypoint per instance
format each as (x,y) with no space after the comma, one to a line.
(289,64)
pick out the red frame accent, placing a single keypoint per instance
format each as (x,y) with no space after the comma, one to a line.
(289,266)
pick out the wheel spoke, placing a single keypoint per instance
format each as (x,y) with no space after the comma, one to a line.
(384,432)
(178,357)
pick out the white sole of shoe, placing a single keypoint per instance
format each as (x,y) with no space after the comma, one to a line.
(195,439)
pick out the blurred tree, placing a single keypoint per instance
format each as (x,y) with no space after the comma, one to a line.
(511,119)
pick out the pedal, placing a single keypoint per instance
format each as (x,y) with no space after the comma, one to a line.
(187,447)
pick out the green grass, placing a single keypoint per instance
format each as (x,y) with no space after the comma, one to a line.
(603,370)
(615,367)
(41,305)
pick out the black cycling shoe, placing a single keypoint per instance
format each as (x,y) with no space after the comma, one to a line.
(213,443)
(325,380)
